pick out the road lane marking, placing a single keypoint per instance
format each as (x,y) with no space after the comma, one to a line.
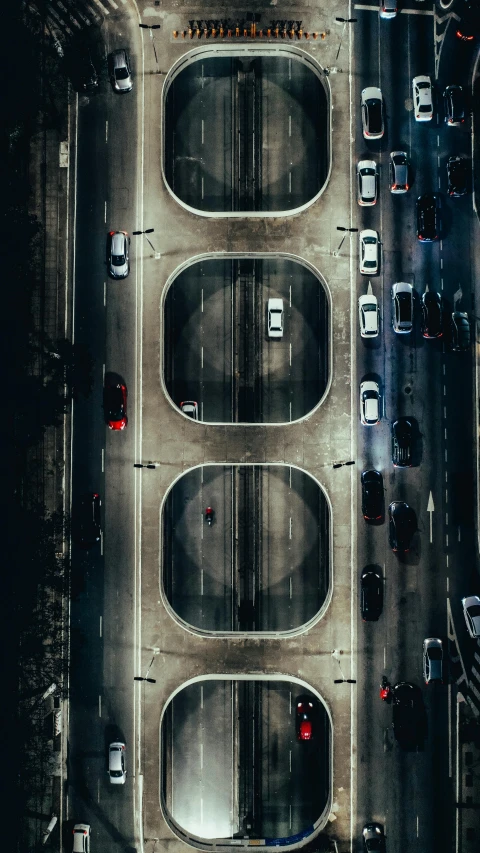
(417,825)
(103,460)
(431,510)
(289,125)
(99,706)
(101,543)
(362,8)
(105,216)
(104,294)
(101,625)
(203,132)
(106,131)
(445,433)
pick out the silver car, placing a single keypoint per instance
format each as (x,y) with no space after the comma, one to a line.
(471,611)
(116,763)
(433,660)
(398,170)
(402,297)
(119,71)
(117,254)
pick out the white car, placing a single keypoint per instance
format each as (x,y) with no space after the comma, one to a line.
(471,611)
(81,838)
(422,98)
(116,763)
(368,251)
(275,318)
(190,409)
(369,403)
(367,182)
(368,315)
(388,9)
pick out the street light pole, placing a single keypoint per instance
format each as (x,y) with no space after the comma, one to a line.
(346,231)
(148,231)
(152,27)
(344,21)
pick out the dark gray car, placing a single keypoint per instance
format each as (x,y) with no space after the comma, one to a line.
(433,660)
(398,170)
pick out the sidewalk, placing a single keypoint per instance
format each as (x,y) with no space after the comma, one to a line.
(46,468)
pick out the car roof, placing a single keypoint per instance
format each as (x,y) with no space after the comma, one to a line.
(369,385)
(402,287)
(371,92)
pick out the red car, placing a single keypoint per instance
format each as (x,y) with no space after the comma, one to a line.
(306,714)
(115,405)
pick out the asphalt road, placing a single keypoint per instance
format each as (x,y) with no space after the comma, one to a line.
(102,617)
(264,563)
(217,351)
(235,764)
(424,380)
(408,792)
(246,134)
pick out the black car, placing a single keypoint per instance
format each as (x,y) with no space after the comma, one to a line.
(402,441)
(86,520)
(468,27)
(431,315)
(371,594)
(373,838)
(372,495)
(401,527)
(454,105)
(82,71)
(460,331)
(457,176)
(408,715)
(428,225)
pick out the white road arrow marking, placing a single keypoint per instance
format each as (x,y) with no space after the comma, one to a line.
(431,509)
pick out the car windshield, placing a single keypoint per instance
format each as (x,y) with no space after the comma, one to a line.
(369,307)
(121,73)
(115,773)
(368,171)
(404,306)
(425,108)
(375,844)
(375,113)
(370,241)
(117,260)
(474,610)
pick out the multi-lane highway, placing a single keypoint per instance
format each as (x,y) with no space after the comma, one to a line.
(422,379)
(224,753)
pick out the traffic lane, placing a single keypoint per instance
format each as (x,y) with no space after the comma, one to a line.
(294,133)
(120,478)
(197,147)
(203,763)
(199,578)
(198,346)
(295,368)
(294,547)
(294,787)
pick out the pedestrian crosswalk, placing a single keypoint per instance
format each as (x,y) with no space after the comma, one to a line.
(63,20)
